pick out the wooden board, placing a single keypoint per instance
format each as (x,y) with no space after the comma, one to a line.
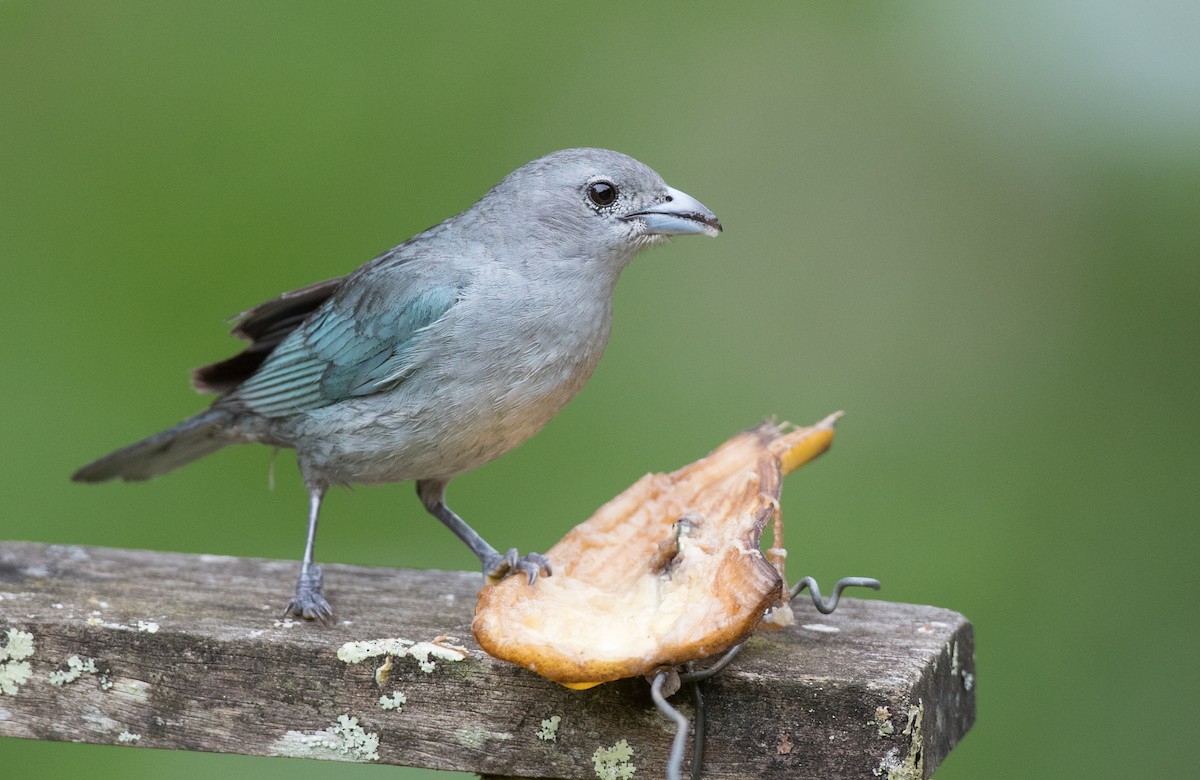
(187,652)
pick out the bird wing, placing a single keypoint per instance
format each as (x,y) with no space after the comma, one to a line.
(357,343)
(264,326)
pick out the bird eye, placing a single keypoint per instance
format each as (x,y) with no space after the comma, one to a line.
(602,193)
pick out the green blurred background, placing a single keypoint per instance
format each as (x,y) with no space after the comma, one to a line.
(973,227)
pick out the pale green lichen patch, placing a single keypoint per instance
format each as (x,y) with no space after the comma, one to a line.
(424,652)
(613,763)
(475,737)
(127,737)
(14,669)
(18,645)
(356,652)
(393,702)
(421,652)
(147,626)
(912,766)
(344,740)
(549,730)
(960,670)
(76,668)
(913,727)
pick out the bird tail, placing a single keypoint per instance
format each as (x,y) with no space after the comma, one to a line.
(191,439)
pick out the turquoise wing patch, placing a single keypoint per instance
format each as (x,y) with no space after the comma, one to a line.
(339,354)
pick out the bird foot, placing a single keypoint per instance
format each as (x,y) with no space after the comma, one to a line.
(309,603)
(497,566)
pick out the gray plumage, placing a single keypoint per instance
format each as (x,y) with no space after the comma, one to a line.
(440,354)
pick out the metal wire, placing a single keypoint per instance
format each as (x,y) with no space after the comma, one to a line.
(721,663)
(681,725)
(825,607)
(701,725)
(694,678)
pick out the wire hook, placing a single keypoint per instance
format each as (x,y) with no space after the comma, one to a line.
(681,723)
(690,675)
(827,606)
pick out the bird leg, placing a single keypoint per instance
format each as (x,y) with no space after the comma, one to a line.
(309,603)
(432,493)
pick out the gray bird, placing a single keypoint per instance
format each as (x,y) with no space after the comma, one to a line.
(440,354)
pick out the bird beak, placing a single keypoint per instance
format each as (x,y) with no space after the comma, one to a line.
(679,214)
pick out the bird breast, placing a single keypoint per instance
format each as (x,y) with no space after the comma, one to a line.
(492,372)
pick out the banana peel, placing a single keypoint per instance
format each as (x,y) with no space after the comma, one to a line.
(667,572)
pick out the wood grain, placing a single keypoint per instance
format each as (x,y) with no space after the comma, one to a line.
(187,652)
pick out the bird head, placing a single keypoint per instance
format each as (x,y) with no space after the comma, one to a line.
(584,200)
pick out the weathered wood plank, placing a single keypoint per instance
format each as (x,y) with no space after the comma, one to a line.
(186,652)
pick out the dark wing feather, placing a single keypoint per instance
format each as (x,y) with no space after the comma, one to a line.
(264,326)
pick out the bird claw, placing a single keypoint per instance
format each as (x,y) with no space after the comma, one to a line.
(497,566)
(309,603)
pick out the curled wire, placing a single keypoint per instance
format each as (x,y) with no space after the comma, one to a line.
(694,677)
(721,663)
(681,724)
(826,606)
